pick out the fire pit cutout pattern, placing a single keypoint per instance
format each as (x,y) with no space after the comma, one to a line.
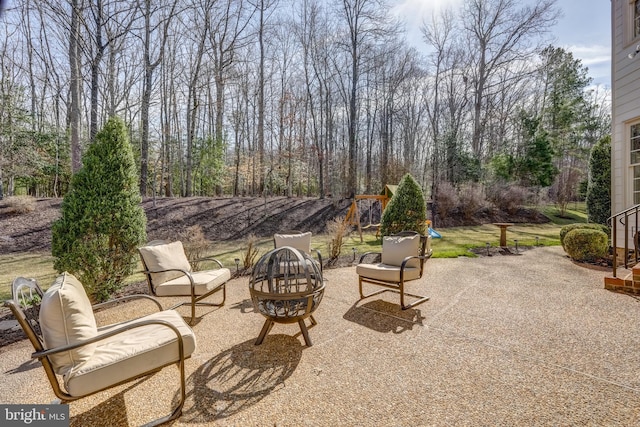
(286,286)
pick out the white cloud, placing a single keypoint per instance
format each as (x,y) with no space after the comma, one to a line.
(415,11)
(595,57)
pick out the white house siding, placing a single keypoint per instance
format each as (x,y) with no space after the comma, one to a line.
(625,86)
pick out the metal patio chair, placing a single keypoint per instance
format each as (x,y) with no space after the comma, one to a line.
(169,273)
(61,326)
(401,260)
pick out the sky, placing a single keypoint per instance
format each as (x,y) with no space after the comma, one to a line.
(584,29)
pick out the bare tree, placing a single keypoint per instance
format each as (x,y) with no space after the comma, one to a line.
(162,25)
(203,12)
(366,21)
(227,35)
(500,33)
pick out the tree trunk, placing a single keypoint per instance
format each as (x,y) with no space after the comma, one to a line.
(74,87)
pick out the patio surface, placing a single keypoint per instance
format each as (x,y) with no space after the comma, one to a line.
(506,340)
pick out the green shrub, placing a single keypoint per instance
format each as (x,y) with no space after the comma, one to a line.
(102,220)
(406,209)
(591,226)
(585,244)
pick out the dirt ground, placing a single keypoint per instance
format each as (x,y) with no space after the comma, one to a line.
(221,218)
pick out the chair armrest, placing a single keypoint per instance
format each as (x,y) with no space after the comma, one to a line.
(184,272)
(126,298)
(105,335)
(208,258)
(319,256)
(362,257)
(409,258)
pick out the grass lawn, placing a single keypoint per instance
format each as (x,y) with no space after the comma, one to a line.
(455,241)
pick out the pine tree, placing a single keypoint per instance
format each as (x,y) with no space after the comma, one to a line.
(406,209)
(102,220)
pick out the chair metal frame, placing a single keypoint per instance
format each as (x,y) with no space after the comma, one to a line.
(196,300)
(399,286)
(27,292)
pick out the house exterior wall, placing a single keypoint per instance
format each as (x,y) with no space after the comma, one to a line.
(625,104)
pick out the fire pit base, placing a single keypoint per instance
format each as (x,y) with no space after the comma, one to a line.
(268,324)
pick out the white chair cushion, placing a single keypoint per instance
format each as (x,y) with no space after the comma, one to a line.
(301,242)
(387,273)
(396,248)
(204,282)
(164,257)
(131,353)
(66,317)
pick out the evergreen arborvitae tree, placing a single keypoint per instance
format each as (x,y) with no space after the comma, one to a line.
(599,186)
(102,220)
(406,209)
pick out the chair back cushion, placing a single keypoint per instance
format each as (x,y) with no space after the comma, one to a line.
(164,257)
(396,248)
(301,242)
(66,317)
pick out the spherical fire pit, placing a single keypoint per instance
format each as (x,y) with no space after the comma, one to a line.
(286,286)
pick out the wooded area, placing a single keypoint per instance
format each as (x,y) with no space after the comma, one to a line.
(296,98)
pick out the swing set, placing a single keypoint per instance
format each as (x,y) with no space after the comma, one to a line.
(353,215)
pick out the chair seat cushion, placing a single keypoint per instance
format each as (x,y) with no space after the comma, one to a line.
(205,281)
(387,273)
(66,317)
(131,353)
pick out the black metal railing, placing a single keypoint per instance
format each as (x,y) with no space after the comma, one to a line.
(622,218)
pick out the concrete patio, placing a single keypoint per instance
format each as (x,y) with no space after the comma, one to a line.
(505,340)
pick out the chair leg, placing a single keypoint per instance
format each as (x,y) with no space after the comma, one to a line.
(213,304)
(398,290)
(197,301)
(177,411)
(193,312)
(420,299)
(362,295)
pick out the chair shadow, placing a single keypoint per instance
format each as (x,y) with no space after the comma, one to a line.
(245,306)
(239,377)
(113,409)
(26,366)
(384,316)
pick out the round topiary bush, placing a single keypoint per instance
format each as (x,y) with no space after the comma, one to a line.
(591,226)
(586,244)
